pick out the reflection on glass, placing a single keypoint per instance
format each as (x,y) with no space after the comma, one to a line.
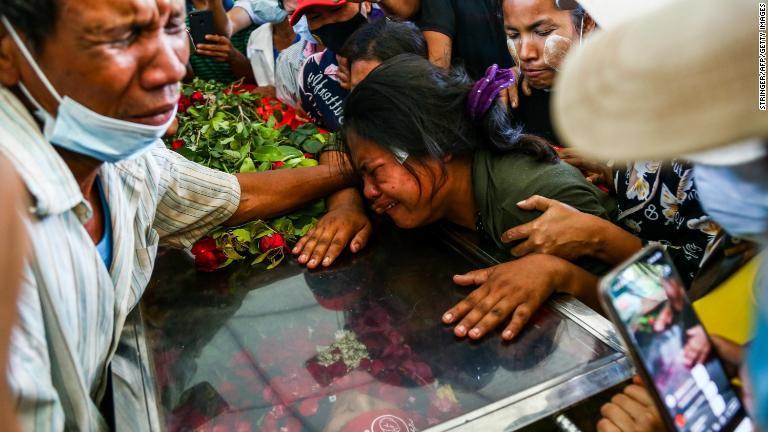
(358,346)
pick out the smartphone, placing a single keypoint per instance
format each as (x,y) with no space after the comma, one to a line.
(200,24)
(646,300)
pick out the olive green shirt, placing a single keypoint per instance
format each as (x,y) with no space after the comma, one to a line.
(502,180)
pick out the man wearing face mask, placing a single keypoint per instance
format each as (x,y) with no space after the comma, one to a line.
(88,88)
(323,79)
(651,105)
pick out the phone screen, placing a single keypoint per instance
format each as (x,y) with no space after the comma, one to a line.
(649,300)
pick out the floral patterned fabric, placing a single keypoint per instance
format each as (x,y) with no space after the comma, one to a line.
(658,202)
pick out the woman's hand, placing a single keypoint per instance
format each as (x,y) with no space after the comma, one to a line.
(632,410)
(324,243)
(343,73)
(565,232)
(516,288)
(595,172)
(510,97)
(561,230)
(345,223)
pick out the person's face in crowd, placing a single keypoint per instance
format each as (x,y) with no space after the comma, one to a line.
(392,189)
(319,16)
(528,24)
(360,69)
(121,58)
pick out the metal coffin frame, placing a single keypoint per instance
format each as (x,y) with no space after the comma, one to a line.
(135,394)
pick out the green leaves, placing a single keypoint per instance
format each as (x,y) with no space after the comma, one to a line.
(228,122)
(312,146)
(290,152)
(247,166)
(226,130)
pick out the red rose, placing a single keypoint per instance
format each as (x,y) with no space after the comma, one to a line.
(271,241)
(177,144)
(417,371)
(197,98)
(278,164)
(309,155)
(184,103)
(208,257)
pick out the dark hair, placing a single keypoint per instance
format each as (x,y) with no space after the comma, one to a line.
(36,19)
(383,39)
(411,105)
(577,15)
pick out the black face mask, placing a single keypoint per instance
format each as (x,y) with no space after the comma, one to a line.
(333,36)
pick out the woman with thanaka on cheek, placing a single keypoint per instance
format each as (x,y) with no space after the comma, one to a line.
(431,145)
(656,201)
(539,36)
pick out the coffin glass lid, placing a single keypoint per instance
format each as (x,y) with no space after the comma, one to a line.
(356,347)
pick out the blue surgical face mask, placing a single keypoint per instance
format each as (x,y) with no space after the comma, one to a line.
(81,130)
(736,197)
(302,29)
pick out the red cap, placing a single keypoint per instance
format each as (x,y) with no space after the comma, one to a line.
(304,4)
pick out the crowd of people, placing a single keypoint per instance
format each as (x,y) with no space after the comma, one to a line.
(443,110)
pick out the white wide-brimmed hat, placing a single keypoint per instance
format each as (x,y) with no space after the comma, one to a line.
(678,80)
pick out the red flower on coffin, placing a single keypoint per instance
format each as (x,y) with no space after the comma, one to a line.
(272,241)
(197,98)
(208,257)
(184,103)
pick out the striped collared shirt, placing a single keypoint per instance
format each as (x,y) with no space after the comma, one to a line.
(71,307)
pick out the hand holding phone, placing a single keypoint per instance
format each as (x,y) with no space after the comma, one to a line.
(646,300)
(200,25)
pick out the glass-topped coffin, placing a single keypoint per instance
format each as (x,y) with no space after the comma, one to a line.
(355,347)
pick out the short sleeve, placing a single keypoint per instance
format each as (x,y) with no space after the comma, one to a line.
(559,182)
(287,69)
(193,199)
(438,16)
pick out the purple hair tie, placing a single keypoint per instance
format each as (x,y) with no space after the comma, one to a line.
(485,90)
